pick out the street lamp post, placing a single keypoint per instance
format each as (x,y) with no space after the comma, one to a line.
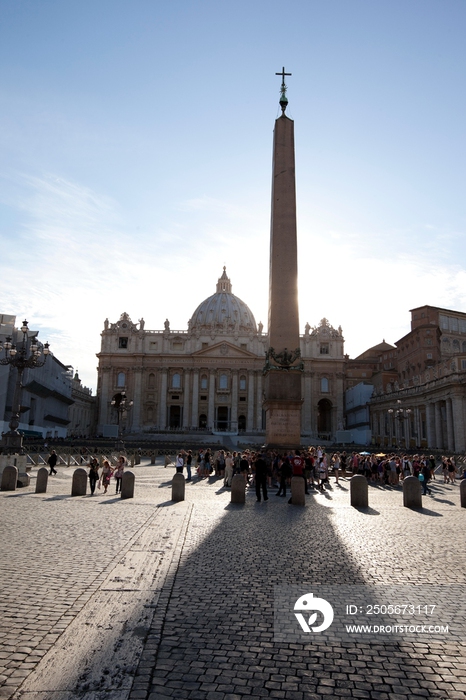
(25,356)
(401,414)
(121,404)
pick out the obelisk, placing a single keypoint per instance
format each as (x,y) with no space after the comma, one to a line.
(283,368)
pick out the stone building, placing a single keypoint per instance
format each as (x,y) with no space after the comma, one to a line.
(210,375)
(82,414)
(424,407)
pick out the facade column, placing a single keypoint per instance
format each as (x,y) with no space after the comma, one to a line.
(417,426)
(186,397)
(340,408)
(450,432)
(250,418)
(163,399)
(458,422)
(135,414)
(259,392)
(438,426)
(211,408)
(195,400)
(234,400)
(306,422)
(105,374)
(430,426)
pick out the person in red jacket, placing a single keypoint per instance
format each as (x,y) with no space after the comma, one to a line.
(298,464)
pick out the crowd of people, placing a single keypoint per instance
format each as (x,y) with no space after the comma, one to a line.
(270,468)
(266,469)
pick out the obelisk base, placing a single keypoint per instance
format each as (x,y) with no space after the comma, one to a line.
(282,407)
(283,424)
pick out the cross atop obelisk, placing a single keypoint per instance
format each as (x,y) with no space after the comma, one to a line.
(283,97)
(283,367)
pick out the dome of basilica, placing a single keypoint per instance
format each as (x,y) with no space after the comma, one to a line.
(223,311)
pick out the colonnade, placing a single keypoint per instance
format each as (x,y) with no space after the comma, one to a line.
(438,424)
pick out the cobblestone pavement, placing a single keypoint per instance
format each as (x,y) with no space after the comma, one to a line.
(145,599)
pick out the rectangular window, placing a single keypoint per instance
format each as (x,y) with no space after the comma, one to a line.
(429,355)
(453,323)
(324,349)
(463,364)
(122,342)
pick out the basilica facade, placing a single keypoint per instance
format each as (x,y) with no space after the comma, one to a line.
(210,375)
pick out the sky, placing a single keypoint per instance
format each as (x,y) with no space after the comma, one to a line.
(136,152)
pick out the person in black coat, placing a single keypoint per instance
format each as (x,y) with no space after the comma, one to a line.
(52,461)
(261,477)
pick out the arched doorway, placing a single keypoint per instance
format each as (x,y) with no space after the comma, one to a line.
(175,417)
(203,421)
(241,422)
(324,419)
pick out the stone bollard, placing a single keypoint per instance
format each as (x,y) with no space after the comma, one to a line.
(127,485)
(359,491)
(137,458)
(178,487)
(152,457)
(297,491)
(463,493)
(42,479)
(167,460)
(79,484)
(412,492)
(9,479)
(238,489)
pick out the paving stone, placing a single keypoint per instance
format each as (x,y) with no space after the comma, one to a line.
(210,630)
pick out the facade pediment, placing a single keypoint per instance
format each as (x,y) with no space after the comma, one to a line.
(224,349)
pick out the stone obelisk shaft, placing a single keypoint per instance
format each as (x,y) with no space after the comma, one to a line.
(283,291)
(282,385)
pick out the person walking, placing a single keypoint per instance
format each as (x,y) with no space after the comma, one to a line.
(229,464)
(119,471)
(189,459)
(179,463)
(261,477)
(285,474)
(106,475)
(52,461)
(93,474)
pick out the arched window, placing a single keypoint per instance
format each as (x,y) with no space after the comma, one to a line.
(456,345)
(324,385)
(151,381)
(242,383)
(203,382)
(223,381)
(176,381)
(464,346)
(121,379)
